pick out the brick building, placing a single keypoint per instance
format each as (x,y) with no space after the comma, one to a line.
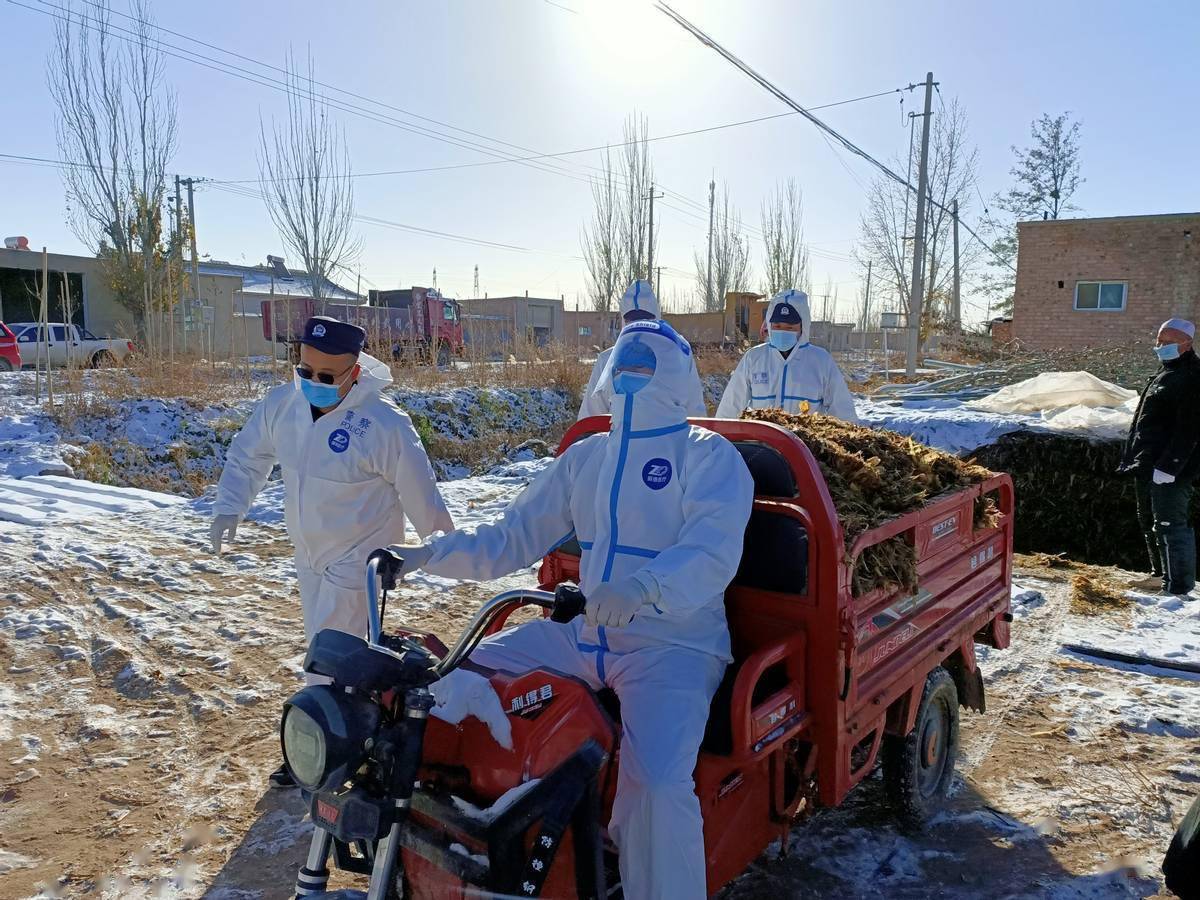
(1088,282)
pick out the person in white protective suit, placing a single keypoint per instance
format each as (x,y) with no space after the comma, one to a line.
(659,508)
(788,372)
(353,468)
(638,303)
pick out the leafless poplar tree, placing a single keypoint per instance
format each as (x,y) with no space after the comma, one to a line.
(887,226)
(637,173)
(116,126)
(785,255)
(730,255)
(306,181)
(604,249)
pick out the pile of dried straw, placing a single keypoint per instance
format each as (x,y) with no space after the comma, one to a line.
(873,476)
(1070,499)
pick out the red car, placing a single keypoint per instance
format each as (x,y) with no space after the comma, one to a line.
(10,353)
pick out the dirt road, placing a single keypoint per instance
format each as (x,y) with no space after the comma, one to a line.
(143,680)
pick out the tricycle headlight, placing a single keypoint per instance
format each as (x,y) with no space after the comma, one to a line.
(324,733)
(303,747)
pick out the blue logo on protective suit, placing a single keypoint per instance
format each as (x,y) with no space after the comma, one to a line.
(339,440)
(657,474)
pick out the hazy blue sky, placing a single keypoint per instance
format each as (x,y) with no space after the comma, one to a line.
(534,74)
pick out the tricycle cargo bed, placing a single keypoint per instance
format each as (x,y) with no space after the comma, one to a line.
(815,667)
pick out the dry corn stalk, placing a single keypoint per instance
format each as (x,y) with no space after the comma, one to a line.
(1093,596)
(875,475)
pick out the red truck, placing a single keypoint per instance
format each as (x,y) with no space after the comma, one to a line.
(823,686)
(418,323)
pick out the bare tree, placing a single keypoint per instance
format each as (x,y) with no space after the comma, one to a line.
(116,126)
(307,184)
(1047,176)
(637,174)
(887,226)
(730,256)
(785,255)
(604,250)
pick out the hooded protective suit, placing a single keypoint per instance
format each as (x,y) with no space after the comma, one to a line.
(598,394)
(659,507)
(806,380)
(350,477)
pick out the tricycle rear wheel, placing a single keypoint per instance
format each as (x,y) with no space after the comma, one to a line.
(918,768)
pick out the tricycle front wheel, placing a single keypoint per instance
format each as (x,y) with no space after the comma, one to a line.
(918,768)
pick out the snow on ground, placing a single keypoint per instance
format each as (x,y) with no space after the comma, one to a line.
(143,680)
(50,499)
(1063,793)
(177,444)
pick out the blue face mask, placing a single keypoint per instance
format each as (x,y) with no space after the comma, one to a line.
(782,340)
(1167,352)
(319,395)
(629,382)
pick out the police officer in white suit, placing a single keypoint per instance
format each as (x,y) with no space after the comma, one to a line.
(353,468)
(637,303)
(659,509)
(788,372)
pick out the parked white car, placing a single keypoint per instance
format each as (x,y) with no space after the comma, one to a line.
(70,345)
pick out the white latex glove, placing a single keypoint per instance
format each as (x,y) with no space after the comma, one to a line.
(415,556)
(1161,477)
(615,603)
(220,526)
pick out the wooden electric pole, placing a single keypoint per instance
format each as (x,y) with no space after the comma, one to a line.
(956,322)
(917,285)
(709,303)
(866,309)
(650,239)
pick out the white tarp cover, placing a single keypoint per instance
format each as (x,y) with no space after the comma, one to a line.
(1054,391)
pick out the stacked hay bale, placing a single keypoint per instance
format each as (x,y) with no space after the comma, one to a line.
(1070,498)
(873,476)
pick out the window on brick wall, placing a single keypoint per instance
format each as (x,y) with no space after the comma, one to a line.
(1102,296)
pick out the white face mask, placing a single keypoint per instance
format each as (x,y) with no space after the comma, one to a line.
(1167,352)
(782,340)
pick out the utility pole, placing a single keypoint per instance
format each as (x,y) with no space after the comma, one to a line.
(708,285)
(476,292)
(917,285)
(956,325)
(179,250)
(658,283)
(650,241)
(435,277)
(866,310)
(195,302)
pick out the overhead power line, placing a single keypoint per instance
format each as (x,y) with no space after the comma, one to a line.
(167,49)
(534,160)
(414,229)
(592,149)
(779,94)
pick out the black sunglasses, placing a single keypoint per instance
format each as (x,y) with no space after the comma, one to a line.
(323,377)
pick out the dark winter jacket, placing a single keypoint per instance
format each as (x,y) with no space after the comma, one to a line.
(1166,426)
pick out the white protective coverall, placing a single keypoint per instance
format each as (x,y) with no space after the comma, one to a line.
(667,503)
(598,394)
(350,477)
(766,379)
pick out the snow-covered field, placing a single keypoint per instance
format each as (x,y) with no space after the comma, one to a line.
(143,680)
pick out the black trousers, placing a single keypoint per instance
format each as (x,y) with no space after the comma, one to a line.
(1170,541)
